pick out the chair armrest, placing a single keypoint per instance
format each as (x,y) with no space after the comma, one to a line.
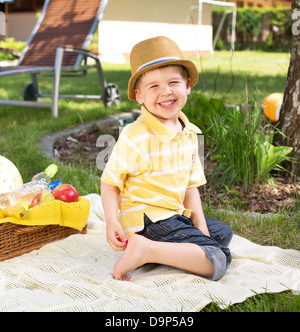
(15,53)
(70,47)
(83,51)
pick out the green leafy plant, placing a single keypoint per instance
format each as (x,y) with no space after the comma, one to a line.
(240,142)
(268,157)
(249,23)
(232,196)
(202,111)
(233,148)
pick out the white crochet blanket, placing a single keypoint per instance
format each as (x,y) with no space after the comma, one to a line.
(75,274)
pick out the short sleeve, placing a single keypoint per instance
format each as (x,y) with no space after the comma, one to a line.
(124,161)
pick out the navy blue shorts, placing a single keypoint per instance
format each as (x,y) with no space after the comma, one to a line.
(180,229)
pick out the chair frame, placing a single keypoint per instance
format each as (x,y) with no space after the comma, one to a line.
(109,93)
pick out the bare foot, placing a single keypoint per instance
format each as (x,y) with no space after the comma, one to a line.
(134,257)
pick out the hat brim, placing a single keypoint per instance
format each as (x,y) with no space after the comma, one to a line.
(187,64)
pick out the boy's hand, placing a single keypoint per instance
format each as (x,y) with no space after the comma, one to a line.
(110,198)
(204,230)
(115,236)
(192,201)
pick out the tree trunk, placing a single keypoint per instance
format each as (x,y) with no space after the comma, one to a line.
(289,120)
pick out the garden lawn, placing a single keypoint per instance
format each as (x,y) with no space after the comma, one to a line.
(221,75)
(224,75)
(22,127)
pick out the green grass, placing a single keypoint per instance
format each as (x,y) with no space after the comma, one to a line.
(21,129)
(225,76)
(279,229)
(283,302)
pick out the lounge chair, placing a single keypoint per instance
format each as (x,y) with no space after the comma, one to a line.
(58,46)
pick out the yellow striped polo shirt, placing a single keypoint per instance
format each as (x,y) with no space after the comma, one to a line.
(153,166)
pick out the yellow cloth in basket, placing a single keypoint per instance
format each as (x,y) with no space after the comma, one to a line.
(74,215)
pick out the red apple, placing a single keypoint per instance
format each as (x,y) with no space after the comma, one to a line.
(41,198)
(66,193)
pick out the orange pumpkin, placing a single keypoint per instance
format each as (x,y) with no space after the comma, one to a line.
(272,105)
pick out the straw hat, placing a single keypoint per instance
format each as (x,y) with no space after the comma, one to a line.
(154,53)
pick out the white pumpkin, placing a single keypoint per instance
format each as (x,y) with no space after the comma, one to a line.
(10,177)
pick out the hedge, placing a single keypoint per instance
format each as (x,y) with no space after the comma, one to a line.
(257,28)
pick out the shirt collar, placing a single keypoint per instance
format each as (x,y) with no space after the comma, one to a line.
(165,133)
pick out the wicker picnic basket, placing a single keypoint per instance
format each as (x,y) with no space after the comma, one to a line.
(16,239)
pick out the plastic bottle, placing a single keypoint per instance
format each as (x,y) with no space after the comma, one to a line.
(29,190)
(46,176)
(24,193)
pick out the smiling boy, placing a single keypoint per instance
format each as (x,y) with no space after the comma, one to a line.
(149,186)
(164,105)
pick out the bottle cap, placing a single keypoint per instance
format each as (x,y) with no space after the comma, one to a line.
(54,184)
(51,170)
